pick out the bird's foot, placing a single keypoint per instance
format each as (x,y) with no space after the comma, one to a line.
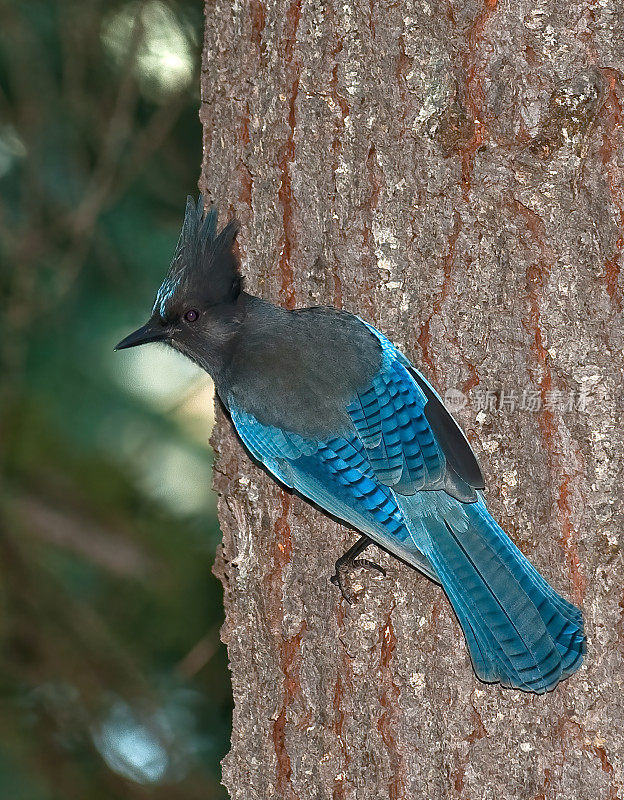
(348,563)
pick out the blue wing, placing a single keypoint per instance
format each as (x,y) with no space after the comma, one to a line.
(405,475)
(412,441)
(336,475)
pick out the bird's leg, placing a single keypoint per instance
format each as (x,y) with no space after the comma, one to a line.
(349,562)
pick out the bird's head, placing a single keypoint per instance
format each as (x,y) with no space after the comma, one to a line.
(197,309)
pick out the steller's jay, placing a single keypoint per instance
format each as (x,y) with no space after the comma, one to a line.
(333,410)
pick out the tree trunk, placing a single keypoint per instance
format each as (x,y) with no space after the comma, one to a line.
(453,173)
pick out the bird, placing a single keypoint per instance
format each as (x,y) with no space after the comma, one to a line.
(339,415)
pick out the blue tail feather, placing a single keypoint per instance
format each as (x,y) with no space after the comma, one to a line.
(479,513)
(563,620)
(519,631)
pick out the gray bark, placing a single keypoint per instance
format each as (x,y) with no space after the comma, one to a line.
(454,173)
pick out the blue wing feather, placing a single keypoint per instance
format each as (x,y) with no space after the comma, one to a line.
(336,475)
(390,421)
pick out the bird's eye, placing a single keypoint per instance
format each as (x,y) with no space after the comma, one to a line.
(191,315)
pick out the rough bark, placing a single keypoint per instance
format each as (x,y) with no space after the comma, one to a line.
(454,173)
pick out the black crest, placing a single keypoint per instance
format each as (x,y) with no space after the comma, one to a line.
(205,269)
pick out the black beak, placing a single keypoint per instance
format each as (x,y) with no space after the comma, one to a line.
(152,331)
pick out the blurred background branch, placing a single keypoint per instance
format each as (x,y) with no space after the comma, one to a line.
(113,680)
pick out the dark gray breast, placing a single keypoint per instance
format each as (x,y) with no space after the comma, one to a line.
(298,370)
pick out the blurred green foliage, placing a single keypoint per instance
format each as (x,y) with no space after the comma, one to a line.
(113,681)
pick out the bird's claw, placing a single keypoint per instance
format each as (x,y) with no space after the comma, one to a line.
(364,563)
(345,568)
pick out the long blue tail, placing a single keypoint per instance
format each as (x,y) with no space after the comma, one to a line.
(519,631)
